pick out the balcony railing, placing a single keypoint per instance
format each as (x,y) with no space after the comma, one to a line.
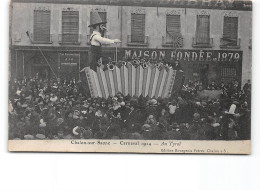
(204,43)
(178,43)
(230,43)
(105,36)
(42,39)
(70,39)
(137,41)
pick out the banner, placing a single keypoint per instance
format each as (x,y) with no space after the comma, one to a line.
(201,56)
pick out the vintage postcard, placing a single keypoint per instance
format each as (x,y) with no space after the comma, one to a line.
(139,76)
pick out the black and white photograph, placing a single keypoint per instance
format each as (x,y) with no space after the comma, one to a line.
(149,76)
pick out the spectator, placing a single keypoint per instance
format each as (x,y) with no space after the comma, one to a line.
(64,110)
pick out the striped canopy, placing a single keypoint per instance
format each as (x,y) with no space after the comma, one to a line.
(130,80)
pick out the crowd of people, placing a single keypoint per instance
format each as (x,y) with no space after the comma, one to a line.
(51,109)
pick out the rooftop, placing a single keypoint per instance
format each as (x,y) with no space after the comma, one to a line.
(245,5)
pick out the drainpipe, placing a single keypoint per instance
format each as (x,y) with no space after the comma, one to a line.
(121,25)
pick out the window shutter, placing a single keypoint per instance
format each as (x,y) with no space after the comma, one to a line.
(41,27)
(203,29)
(173,26)
(70,26)
(230,30)
(138,28)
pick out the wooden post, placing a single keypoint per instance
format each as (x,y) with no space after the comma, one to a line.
(79,65)
(16,72)
(116,53)
(59,64)
(23,64)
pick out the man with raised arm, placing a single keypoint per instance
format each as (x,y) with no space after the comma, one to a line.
(97,40)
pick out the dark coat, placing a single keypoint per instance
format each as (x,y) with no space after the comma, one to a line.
(132,118)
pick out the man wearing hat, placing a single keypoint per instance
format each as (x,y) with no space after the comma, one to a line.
(151,109)
(132,118)
(195,128)
(177,66)
(97,39)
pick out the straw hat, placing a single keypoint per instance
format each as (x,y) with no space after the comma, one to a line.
(42,123)
(99,113)
(146,127)
(53,98)
(76,130)
(172,109)
(40,136)
(96,19)
(18,92)
(152,102)
(231,110)
(28,137)
(215,124)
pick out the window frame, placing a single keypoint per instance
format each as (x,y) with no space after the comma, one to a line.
(179,30)
(197,30)
(63,34)
(237,45)
(38,41)
(144,31)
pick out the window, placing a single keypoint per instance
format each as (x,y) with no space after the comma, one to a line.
(103,16)
(228,74)
(230,31)
(41,26)
(70,26)
(203,30)
(138,28)
(173,27)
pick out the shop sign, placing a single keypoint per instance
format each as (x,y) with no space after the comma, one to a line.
(216,56)
(69,59)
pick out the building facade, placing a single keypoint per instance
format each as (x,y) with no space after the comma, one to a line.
(210,39)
